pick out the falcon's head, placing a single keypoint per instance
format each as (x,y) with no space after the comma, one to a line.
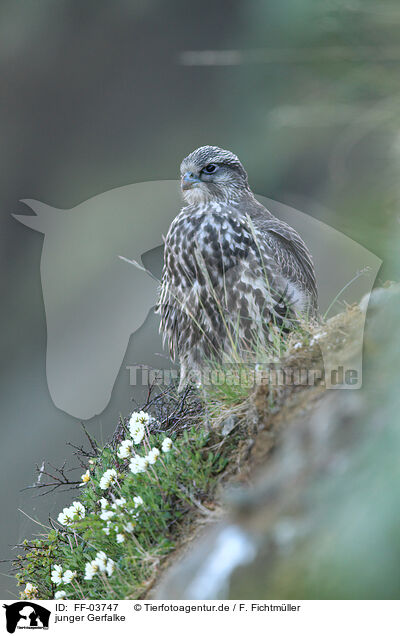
(212,174)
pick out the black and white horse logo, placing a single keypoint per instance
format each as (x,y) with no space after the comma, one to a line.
(25,614)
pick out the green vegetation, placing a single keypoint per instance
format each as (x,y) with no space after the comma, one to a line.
(135,499)
(227,385)
(141,494)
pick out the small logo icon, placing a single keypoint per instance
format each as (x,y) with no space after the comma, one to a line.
(26,615)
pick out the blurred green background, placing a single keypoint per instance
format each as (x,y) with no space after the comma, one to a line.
(100,94)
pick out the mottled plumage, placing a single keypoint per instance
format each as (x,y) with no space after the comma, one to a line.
(232,271)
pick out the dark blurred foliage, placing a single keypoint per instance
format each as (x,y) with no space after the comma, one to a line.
(100,94)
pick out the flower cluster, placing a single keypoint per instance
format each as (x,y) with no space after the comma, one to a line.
(138,464)
(58,577)
(75,512)
(119,516)
(120,512)
(109,477)
(137,425)
(100,564)
(126,449)
(137,429)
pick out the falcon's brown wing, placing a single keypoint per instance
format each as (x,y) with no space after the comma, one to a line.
(290,252)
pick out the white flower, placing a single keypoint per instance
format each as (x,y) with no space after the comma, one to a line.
(60,594)
(101,560)
(85,478)
(56,575)
(125,450)
(138,501)
(166,445)
(119,502)
(30,590)
(106,515)
(104,483)
(75,512)
(138,464)
(153,455)
(137,432)
(139,418)
(66,517)
(108,478)
(128,527)
(103,503)
(137,424)
(63,519)
(69,576)
(120,538)
(110,567)
(78,509)
(91,570)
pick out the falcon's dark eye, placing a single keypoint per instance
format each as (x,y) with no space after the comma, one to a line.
(210,168)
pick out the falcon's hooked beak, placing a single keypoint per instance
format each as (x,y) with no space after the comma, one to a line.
(189,180)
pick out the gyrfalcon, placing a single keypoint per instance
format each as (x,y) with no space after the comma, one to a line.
(233,272)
